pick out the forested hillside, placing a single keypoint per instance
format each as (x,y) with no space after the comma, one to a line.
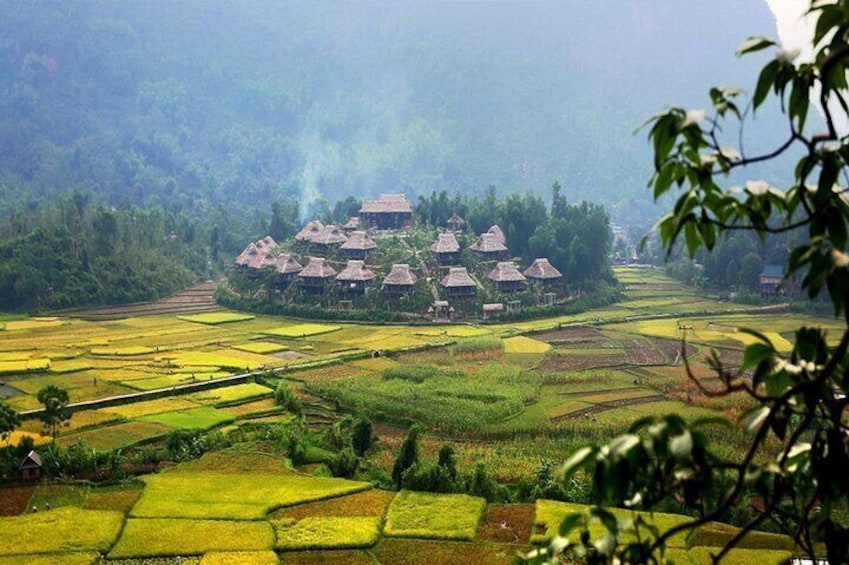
(213,123)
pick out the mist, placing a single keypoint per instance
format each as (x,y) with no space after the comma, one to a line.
(193,104)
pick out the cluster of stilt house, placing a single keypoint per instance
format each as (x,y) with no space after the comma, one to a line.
(355,243)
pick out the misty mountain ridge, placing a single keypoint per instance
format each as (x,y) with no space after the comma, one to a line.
(193,104)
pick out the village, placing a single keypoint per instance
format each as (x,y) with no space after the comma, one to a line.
(458,275)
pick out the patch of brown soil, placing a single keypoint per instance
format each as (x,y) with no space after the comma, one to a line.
(13,500)
(507,523)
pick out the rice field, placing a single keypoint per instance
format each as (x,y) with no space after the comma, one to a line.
(432,516)
(61,530)
(302,330)
(327,532)
(215,318)
(522,344)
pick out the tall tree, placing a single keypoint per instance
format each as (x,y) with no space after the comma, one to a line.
(9,420)
(56,412)
(799,453)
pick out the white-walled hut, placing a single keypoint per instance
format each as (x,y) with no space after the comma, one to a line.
(314,277)
(507,277)
(355,278)
(358,245)
(400,280)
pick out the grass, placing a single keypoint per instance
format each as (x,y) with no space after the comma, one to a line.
(302,330)
(172,537)
(116,436)
(200,418)
(215,318)
(261,347)
(522,344)
(61,530)
(240,558)
(233,496)
(233,393)
(434,516)
(327,532)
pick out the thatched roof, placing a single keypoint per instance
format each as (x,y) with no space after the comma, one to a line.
(353,223)
(312,229)
(400,275)
(457,277)
(330,235)
(286,264)
(488,243)
(387,203)
(445,243)
(496,231)
(455,222)
(317,268)
(359,240)
(541,269)
(269,242)
(506,271)
(245,256)
(355,270)
(493,307)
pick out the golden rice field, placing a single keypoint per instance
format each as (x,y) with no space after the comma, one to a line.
(215,318)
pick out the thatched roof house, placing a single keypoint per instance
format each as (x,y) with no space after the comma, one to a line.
(489,246)
(455,223)
(446,249)
(507,277)
(400,279)
(30,468)
(316,274)
(496,231)
(358,246)
(328,237)
(245,256)
(388,212)
(543,271)
(458,282)
(309,231)
(352,224)
(355,277)
(288,266)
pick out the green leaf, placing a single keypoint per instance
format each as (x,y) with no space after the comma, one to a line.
(756,417)
(577,460)
(754,44)
(766,80)
(757,353)
(570,522)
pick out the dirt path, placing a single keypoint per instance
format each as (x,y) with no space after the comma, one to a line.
(193,300)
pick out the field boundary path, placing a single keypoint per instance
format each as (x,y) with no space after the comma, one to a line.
(197,299)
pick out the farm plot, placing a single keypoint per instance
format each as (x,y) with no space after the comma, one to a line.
(215,318)
(117,436)
(198,418)
(373,502)
(302,330)
(434,516)
(154,537)
(240,558)
(327,532)
(62,530)
(423,552)
(231,496)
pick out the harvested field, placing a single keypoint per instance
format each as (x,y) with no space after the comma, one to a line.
(422,552)
(336,557)
(372,502)
(507,523)
(13,500)
(116,436)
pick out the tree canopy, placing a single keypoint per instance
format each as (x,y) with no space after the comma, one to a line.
(799,452)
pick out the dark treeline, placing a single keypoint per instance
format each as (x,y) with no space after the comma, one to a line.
(78,253)
(576,238)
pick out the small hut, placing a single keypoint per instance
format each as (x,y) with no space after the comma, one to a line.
(495,230)
(542,271)
(388,212)
(353,224)
(309,231)
(507,277)
(446,249)
(288,267)
(31,467)
(355,278)
(441,310)
(400,280)
(331,236)
(358,246)
(489,247)
(492,310)
(244,258)
(313,278)
(458,283)
(455,224)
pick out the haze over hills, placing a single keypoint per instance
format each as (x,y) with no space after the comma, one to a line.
(191,104)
